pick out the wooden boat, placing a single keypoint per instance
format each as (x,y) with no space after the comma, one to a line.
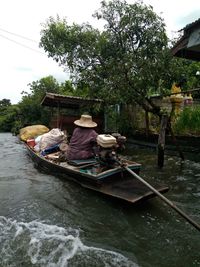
(114,182)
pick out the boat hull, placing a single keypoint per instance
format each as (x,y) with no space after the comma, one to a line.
(116,183)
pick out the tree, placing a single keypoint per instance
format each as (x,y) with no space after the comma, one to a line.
(193,77)
(122,63)
(66,88)
(31,110)
(5,121)
(40,87)
(10,119)
(4,103)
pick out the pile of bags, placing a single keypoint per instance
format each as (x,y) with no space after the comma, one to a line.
(43,140)
(30,132)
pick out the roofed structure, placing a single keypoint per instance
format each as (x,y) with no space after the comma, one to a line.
(63,101)
(75,104)
(188,46)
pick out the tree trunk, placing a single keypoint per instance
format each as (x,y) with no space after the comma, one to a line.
(161,140)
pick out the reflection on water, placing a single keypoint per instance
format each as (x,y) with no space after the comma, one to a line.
(46,221)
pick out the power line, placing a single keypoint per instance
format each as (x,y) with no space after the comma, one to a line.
(18,35)
(18,43)
(22,44)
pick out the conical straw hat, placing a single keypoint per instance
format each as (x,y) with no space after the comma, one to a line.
(85,121)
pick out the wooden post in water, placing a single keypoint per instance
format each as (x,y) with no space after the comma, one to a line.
(161,140)
(175,141)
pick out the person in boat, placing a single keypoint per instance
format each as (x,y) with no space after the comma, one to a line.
(83,139)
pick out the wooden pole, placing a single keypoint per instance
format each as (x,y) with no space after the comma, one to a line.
(175,141)
(166,200)
(182,92)
(58,115)
(161,140)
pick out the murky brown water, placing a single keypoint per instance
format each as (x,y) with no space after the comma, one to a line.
(46,221)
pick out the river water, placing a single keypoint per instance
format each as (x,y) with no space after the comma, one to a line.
(47,221)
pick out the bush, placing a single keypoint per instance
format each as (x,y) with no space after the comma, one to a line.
(188,123)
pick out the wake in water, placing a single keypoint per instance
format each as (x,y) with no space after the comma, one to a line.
(39,244)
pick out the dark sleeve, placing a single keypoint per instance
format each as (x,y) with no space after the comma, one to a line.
(93,136)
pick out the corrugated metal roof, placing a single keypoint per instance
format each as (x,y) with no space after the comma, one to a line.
(192,25)
(63,101)
(181,48)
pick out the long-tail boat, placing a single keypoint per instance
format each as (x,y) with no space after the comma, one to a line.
(112,181)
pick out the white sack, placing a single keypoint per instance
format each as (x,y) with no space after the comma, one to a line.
(53,137)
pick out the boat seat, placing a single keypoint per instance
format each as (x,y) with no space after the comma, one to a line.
(80,162)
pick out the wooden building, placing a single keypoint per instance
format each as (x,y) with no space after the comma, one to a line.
(188,46)
(66,109)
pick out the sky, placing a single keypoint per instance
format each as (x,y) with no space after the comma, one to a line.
(21,59)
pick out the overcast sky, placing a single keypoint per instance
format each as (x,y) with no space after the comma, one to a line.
(22,61)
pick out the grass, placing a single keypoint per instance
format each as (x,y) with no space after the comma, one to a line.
(188,122)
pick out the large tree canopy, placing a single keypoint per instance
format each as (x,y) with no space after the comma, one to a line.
(122,63)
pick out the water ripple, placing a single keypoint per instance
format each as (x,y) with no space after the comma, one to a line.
(39,244)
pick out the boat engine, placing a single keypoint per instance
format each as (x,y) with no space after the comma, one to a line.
(121,140)
(108,146)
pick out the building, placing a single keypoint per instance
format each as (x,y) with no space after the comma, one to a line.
(188,46)
(66,109)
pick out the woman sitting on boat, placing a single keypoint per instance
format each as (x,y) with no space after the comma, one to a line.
(83,139)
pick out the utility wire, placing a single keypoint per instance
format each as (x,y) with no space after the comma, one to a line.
(18,35)
(22,44)
(11,40)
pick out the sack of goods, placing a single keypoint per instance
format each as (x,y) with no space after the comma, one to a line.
(106,140)
(53,137)
(30,132)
